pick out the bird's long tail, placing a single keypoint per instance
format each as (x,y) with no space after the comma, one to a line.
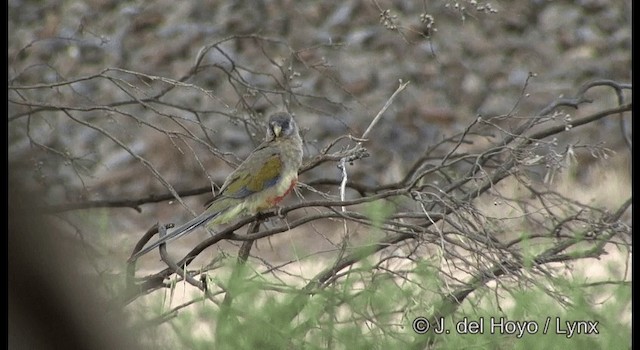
(178,232)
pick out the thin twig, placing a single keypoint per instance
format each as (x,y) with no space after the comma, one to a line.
(384,108)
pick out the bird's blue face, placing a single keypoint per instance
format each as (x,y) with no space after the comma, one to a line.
(280,125)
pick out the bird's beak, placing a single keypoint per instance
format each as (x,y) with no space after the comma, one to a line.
(277,130)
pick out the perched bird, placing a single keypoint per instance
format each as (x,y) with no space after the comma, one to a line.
(260,182)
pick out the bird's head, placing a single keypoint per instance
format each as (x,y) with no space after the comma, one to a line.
(281,125)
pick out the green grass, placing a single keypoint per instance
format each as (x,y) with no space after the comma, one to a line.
(375,311)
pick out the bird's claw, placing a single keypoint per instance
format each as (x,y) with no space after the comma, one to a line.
(266,215)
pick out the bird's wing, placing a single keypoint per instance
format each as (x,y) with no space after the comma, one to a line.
(253,175)
(257,173)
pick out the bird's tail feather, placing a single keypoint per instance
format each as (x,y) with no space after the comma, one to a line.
(178,232)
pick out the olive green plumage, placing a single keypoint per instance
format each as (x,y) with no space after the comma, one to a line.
(261,181)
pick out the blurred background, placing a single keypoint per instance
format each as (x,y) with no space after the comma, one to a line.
(111,102)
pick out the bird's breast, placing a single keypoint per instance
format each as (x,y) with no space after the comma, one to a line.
(275,194)
(279,197)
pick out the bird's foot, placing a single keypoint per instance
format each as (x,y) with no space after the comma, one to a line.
(266,215)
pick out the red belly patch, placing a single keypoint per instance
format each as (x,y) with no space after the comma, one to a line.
(274,201)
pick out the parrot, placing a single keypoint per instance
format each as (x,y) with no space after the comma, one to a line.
(260,182)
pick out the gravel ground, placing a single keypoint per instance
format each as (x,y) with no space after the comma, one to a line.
(340,58)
